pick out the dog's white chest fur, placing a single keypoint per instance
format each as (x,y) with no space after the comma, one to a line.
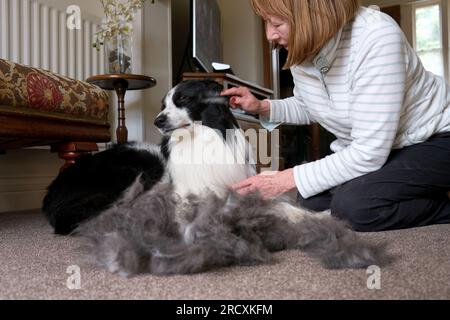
(201,161)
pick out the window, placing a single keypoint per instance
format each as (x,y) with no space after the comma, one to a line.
(431,34)
(429,38)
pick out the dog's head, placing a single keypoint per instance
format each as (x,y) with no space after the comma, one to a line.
(195,101)
(204,151)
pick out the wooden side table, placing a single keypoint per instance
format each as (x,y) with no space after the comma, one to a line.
(121,83)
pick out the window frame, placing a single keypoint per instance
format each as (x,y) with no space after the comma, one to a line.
(444,16)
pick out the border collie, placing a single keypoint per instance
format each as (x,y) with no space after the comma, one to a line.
(168,209)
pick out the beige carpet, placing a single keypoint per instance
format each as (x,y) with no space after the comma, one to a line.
(35,264)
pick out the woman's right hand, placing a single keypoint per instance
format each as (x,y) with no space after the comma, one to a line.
(242,98)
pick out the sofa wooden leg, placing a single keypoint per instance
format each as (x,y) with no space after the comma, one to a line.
(70,151)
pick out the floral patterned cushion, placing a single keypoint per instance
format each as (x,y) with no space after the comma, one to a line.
(28,89)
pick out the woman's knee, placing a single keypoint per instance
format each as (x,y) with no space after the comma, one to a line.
(355,208)
(320,202)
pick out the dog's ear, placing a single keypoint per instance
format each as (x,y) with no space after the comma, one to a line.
(213,86)
(217,114)
(210,94)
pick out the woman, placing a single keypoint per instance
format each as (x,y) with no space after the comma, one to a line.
(356,75)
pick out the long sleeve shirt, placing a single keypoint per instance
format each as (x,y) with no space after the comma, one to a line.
(368,87)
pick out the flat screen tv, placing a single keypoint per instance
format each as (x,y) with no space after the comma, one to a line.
(206,33)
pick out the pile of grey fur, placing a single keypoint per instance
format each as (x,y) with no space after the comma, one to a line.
(157,232)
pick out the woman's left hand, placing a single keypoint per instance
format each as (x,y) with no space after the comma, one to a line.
(269,183)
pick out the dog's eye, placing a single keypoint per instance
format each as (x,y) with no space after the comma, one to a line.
(183,99)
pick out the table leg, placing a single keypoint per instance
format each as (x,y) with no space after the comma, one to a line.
(121,131)
(71,151)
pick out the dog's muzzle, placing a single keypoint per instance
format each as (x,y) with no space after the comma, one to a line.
(165,126)
(161,121)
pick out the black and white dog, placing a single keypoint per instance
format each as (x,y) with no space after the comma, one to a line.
(168,209)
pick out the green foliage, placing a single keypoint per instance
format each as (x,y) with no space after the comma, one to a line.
(428,28)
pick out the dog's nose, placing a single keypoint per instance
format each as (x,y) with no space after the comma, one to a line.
(160,121)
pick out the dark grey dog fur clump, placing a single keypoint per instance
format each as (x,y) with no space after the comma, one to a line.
(157,232)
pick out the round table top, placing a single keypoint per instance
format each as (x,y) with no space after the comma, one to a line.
(133,81)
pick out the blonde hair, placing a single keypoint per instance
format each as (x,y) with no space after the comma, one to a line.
(311,23)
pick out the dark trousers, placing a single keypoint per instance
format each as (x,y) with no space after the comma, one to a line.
(410,190)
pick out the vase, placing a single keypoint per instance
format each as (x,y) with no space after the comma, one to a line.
(119,55)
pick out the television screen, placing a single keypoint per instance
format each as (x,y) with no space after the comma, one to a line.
(206,44)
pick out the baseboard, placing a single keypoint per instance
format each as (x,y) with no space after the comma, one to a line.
(21,201)
(23,193)
(25,175)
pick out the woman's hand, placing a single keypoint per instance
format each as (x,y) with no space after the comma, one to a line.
(270,183)
(242,98)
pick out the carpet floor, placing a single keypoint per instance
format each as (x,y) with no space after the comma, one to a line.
(36,264)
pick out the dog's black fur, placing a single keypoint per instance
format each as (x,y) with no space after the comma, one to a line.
(91,185)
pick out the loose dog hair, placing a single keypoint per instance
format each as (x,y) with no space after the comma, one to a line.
(159,211)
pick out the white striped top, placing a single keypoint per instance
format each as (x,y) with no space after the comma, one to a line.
(368,87)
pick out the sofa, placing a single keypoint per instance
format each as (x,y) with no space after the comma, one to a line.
(42,108)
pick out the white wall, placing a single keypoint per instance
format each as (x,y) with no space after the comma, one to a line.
(24,177)
(157,62)
(242,39)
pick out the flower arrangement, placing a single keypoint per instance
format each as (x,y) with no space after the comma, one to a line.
(118,19)
(116,33)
